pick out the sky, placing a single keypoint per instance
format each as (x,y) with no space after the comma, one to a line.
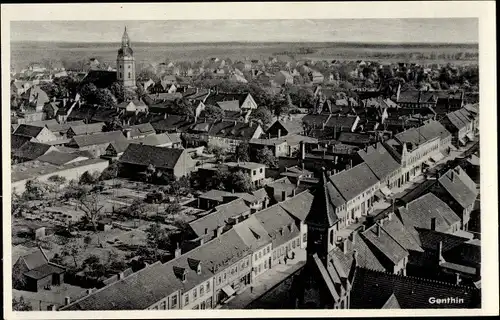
(437,30)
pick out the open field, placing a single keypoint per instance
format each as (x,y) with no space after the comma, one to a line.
(23,53)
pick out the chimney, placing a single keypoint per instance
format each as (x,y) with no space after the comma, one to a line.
(89,291)
(202,241)
(51,307)
(279,133)
(265,202)
(120,276)
(294,191)
(378,230)
(344,246)
(178,251)
(440,252)
(355,255)
(127,133)
(283,195)
(67,301)
(206,230)
(219,230)
(452,175)
(352,237)
(303,166)
(433,224)
(302,151)
(389,216)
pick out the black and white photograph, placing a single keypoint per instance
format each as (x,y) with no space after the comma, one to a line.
(247,163)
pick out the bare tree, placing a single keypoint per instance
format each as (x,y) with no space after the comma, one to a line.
(91,207)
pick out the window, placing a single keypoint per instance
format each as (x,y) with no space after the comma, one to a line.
(254,172)
(260,254)
(255,257)
(129,75)
(163,305)
(304,237)
(274,255)
(293,244)
(261,170)
(129,66)
(120,67)
(174,301)
(186,299)
(202,291)
(224,276)
(195,294)
(219,280)
(208,286)
(120,75)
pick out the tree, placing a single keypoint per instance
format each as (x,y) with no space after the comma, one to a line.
(92,209)
(57,179)
(266,157)
(181,107)
(18,205)
(263,115)
(88,178)
(242,152)
(21,304)
(213,112)
(173,209)
(34,190)
(218,149)
(88,93)
(94,267)
(240,182)
(111,172)
(156,238)
(112,125)
(118,90)
(72,249)
(105,98)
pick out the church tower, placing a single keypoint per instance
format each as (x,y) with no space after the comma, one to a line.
(125,63)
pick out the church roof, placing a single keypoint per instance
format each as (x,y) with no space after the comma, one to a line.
(323,207)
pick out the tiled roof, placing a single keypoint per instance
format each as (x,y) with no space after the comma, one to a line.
(365,256)
(252,233)
(140,129)
(402,234)
(120,146)
(98,138)
(292,126)
(434,129)
(379,160)
(58,158)
(17,142)
(159,157)
(153,283)
(101,78)
(171,122)
(354,137)
(373,289)
(219,217)
(458,186)
(44,123)
(32,150)
(278,223)
(420,211)
(87,128)
(43,271)
(233,130)
(35,259)
(27,130)
(351,183)
(298,206)
(63,127)
(157,139)
(341,121)
(429,240)
(387,245)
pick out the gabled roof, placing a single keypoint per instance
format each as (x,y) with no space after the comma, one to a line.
(100,78)
(402,234)
(352,182)
(17,141)
(219,217)
(140,129)
(365,255)
(59,158)
(35,259)
(90,128)
(98,138)
(379,160)
(233,130)
(27,130)
(145,155)
(419,212)
(373,289)
(323,209)
(299,206)
(63,127)
(252,233)
(32,150)
(278,223)
(157,139)
(386,245)
(458,186)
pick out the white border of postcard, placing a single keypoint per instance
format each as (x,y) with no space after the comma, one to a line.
(483,10)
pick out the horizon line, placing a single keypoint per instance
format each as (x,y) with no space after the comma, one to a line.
(263,41)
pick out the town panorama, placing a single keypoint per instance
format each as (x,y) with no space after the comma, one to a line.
(291,179)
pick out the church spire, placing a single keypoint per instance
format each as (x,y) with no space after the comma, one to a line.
(125,38)
(322,212)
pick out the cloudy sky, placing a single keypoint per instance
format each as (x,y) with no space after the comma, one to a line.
(449,30)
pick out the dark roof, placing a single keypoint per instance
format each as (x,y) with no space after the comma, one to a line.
(291,126)
(233,130)
(35,259)
(377,236)
(214,99)
(379,160)
(341,121)
(98,138)
(90,128)
(366,258)
(401,233)
(354,137)
(458,185)
(419,212)
(27,130)
(140,129)
(17,141)
(145,155)
(373,289)
(32,150)
(350,183)
(171,122)
(298,206)
(323,207)
(63,127)
(58,158)
(43,271)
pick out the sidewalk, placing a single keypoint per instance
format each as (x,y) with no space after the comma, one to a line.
(267,281)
